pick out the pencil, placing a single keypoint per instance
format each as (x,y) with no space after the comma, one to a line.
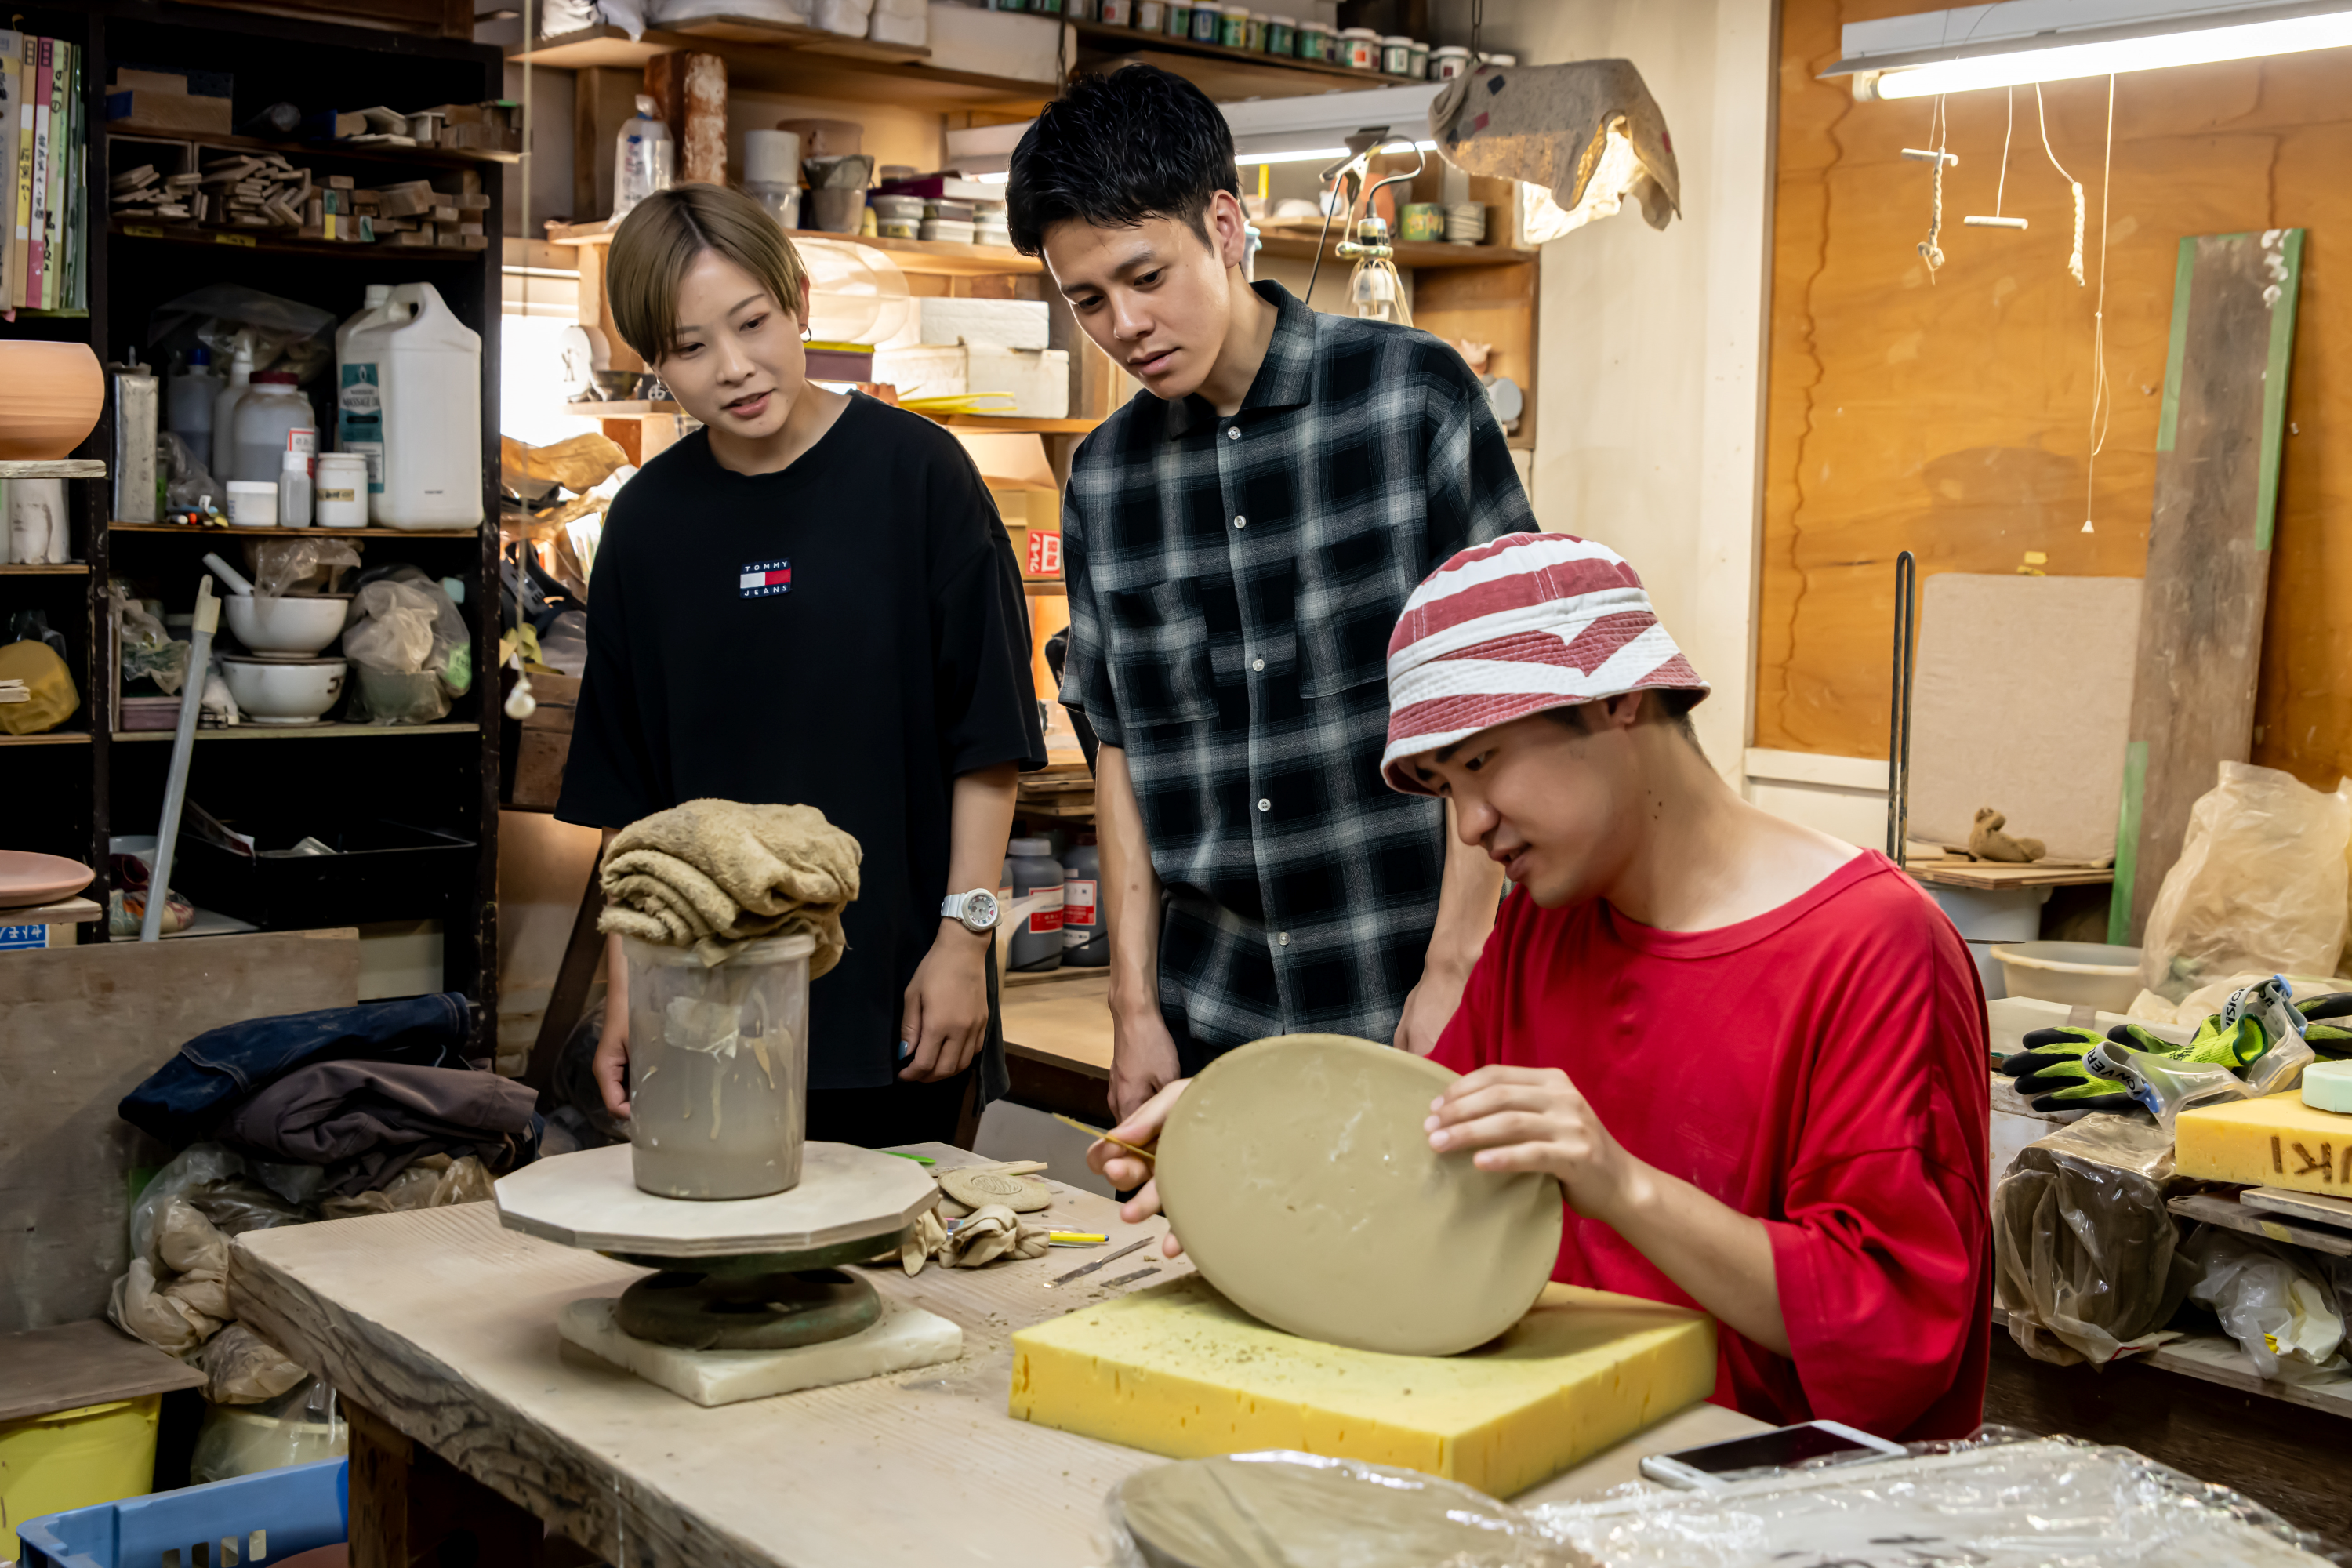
(1097,1133)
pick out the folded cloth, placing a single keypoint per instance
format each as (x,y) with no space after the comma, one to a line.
(713,875)
(181,1100)
(368,1122)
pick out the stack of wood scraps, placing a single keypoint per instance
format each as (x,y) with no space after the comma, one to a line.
(144,192)
(414,214)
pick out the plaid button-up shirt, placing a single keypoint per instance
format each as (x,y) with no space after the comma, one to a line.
(1233,583)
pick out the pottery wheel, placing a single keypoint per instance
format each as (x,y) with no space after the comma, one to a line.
(978,1189)
(1298,1174)
(727,1312)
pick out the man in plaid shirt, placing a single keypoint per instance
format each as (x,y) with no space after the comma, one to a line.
(1238,542)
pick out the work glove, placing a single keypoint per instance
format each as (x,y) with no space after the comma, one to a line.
(2254,1019)
(2328,1024)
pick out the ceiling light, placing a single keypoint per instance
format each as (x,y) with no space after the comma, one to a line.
(2028,41)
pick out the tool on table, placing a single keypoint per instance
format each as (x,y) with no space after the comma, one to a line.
(919,1159)
(1087,1269)
(1128,1279)
(183,744)
(1075,1238)
(1100,1136)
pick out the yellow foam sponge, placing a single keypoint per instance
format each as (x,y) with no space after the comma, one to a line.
(2275,1142)
(1178,1370)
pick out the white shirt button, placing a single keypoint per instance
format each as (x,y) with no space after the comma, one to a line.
(1257,663)
(1241,522)
(1233,433)
(1265,805)
(1283,939)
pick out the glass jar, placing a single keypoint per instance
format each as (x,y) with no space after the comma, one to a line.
(1281,35)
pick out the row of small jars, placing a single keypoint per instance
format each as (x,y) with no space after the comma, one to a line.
(1239,27)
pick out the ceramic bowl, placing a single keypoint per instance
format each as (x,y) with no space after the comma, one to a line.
(270,691)
(297,624)
(50,396)
(27,878)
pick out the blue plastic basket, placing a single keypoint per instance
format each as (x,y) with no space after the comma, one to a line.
(290,1511)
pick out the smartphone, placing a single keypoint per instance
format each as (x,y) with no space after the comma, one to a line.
(1715,1464)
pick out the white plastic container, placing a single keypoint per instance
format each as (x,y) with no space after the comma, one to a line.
(340,494)
(2076,973)
(717,1067)
(222,458)
(644,158)
(271,410)
(430,368)
(252,503)
(359,385)
(188,409)
(294,489)
(1038,381)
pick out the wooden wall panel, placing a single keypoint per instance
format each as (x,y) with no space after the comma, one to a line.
(1951,417)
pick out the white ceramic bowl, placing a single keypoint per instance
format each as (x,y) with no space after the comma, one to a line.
(2073,972)
(271,691)
(298,624)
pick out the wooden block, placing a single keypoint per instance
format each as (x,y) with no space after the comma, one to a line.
(81,1028)
(540,757)
(2303,1205)
(904,1337)
(339,182)
(405,238)
(145,110)
(469,228)
(442,213)
(2209,545)
(401,202)
(44,1370)
(473,201)
(129,80)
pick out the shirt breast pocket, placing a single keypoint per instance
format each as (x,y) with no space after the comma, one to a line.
(1159,644)
(1344,629)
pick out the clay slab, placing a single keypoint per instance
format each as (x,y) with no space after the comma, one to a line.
(1298,1174)
(589,1199)
(904,1337)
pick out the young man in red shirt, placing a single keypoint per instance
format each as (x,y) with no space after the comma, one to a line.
(1753,1056)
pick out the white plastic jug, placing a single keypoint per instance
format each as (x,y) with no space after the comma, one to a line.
(223,456)
(429,365)
(359,386)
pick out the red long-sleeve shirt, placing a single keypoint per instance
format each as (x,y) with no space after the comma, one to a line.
(1821,1068)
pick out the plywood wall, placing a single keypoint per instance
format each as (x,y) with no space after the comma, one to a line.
(1951,416)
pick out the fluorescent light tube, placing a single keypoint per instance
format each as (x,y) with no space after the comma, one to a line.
(2065,62)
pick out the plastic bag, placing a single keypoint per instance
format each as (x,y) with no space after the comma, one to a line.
(1302,1511)
(51,698)
(434,1182)
(137,1307)
(2086,1255)
(2260,885)
(2281,1311)
(242,1368)
(564,647)
(308,565)
(284,334)
(301,1427)
(405,627)
(197,1253)
(197,1165)
(148,653)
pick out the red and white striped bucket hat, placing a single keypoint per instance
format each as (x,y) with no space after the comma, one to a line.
(1529,621)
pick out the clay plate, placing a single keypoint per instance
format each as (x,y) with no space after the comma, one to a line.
(27,879)
(1296,1172)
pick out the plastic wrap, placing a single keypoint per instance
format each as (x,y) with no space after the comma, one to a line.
(2274,1300)
(2086,1255)
(434,1182)
(198,1165)
(242,1368)
(1301,1510)
(2260,884)
(284,334)
(2038,1503)
(309,564)
(147,650)
(188,484)
(410,646)
(299,1427)
(139,1308)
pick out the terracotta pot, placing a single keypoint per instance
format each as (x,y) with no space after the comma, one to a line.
(50,398)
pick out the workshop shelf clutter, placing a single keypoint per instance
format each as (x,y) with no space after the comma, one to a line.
(942,971)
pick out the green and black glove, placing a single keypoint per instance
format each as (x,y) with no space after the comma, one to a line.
(2328,1024)
(2051,1067)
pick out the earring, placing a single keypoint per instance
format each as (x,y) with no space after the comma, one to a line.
(807,335)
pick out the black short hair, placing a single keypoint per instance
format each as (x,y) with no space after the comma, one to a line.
(1116,149)
(1671,703)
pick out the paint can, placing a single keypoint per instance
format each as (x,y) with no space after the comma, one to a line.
(1396,55)
(1420,222)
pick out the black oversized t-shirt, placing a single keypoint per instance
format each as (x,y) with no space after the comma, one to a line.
(848,634)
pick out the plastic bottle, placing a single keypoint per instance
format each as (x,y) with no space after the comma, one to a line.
(269,414)
(359,386)
(1030,867)
(1086,939)
(222,458)
(645,159)
(429,366)
(294,489)
(189,410)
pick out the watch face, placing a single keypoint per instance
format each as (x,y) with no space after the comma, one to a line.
(979,911)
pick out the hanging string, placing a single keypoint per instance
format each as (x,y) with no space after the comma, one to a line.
(2000,191)
(1929,251)
(2073,262)
(2102,403)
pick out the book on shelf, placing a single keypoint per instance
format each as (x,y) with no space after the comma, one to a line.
(44,175)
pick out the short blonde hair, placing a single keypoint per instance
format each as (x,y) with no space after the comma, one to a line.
(660,239)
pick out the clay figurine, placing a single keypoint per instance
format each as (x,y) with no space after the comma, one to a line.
(1988,842)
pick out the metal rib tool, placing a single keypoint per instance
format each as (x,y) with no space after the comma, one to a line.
(1097,1263)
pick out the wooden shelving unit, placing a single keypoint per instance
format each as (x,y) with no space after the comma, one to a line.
(233,533)
(57,569)
(1235,73)
(1298,244)
(775,57)
(933,257)
(82,787)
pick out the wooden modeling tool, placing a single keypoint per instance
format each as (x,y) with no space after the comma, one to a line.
(1100,1136)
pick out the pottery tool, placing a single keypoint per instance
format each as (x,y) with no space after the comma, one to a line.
(1075,1238)
(1128,1279)
(1175,1369)
(1099,1136)
(1089,1267)
(2001,187)
(183,744)
(919,1159)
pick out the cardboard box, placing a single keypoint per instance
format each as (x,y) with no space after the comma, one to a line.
(127,79)
(167,113)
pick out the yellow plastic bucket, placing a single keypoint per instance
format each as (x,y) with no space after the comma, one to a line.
(100,1453)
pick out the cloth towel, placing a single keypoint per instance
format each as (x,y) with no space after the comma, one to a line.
(1549,125)
(368,1122)
(714,875)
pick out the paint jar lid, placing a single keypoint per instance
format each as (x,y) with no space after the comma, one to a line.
(253,487)
(1449,52)
(338,461)
(1396,41)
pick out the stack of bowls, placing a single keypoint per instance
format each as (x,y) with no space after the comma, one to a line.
(281,680)
(1466,224)
(897,218)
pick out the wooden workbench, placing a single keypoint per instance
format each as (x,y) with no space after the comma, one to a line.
(442,1326)
(1057,1041)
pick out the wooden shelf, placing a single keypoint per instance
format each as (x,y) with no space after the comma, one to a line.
(448,157)
(73,911)
(1010,423)
(235,532)
(265,240)
(52,738)
(2216,1358)
(301,731)
(929,257)
(63,569)
(2224,1210)
(776,57)
(53,468)
(1044,586)
(1300,246)
(1287,74)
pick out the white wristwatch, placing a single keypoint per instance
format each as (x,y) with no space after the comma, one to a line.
(978,910)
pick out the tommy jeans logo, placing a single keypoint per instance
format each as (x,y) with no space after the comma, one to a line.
(763,579)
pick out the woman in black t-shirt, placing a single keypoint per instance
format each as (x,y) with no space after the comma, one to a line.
(811,600)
